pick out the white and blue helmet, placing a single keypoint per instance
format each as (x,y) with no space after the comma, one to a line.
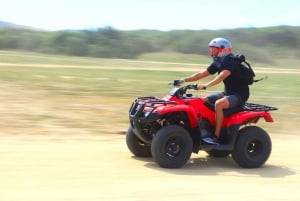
(223,45)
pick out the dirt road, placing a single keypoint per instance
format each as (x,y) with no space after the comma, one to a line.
(101,168)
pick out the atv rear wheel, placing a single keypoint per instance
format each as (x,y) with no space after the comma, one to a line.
(172,147)
(252,148)
(136,146)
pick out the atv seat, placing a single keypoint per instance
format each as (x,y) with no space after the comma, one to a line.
(227,112)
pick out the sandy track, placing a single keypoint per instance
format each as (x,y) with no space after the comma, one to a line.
(101,168)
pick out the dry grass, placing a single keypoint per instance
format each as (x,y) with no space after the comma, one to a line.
(80,97)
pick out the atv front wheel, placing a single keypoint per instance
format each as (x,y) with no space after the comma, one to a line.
(252,148)
(136,146)
(172,147)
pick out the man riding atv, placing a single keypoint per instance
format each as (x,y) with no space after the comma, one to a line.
(236,91)
(171,128)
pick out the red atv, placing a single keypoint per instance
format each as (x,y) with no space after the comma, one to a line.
(169,129)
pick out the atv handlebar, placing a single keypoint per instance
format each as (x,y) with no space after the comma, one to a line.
(180,91)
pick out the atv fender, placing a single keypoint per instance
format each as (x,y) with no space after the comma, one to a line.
(191,113)
(249,117)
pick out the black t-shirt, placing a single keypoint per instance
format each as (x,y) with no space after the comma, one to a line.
(233,83)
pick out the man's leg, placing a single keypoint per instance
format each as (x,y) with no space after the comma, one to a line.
(220,105)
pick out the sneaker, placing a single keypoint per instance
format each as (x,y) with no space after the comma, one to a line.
(211,140)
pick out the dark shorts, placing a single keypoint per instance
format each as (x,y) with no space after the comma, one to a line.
(234,100)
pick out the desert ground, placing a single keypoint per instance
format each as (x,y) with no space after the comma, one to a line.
(56,148)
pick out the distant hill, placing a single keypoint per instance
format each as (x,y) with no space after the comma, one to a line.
(262,45)
(9,25)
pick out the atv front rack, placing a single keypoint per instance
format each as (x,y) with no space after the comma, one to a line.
(141,112)
(152,101)
(137,109)
(149,102)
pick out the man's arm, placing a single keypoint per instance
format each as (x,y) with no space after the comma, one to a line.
(197,76)
(222,76)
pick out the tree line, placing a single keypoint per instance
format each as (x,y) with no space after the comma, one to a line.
(261,44)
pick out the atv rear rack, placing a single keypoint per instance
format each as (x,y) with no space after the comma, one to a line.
(257,107)
(254,107)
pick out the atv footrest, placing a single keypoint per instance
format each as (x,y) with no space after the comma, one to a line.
(227,147)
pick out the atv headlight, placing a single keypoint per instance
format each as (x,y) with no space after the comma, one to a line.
(146,114)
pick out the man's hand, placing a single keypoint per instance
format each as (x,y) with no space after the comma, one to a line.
(177,83)
(201,87)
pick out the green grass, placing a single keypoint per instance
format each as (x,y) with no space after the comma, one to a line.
(86,77)
(132,82)
(174,57)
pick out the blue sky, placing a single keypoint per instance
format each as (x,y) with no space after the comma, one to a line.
(150,14)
